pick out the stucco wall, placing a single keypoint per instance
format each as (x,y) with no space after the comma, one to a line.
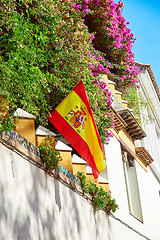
(152,125)
(35,206)
(148,190)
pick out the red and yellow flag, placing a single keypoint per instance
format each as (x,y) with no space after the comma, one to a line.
(74,120)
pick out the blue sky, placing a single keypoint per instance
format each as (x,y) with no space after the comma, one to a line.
(144,18)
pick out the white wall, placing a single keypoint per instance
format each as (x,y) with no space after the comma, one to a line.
(148,190)
(152,129)
(151,142)
(35,206)
(150,199)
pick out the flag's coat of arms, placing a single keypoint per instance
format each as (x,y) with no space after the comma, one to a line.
(74,120)
(76,117)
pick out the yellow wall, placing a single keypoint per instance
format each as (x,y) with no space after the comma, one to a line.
(112,87)
(141,163)
(92,179)
(66,160)
(127,139)
(26,128)
(79,168)
(105,186)
(119,97)
(124,135)
(40,140)
(105,77)
(43,139)
(124,104)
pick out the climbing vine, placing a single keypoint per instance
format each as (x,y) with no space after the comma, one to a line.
(137,103)
(47,47)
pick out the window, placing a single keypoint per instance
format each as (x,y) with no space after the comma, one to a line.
(132,185)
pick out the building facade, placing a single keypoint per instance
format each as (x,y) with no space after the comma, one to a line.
(35,204)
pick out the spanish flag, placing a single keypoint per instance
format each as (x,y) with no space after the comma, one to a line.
(74,120)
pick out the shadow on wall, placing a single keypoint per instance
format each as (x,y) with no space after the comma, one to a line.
(35,206)
(26,200)
(57,194)
(99,226)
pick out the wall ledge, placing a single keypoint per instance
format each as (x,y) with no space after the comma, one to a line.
(61,174)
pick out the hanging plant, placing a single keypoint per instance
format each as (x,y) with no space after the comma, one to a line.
(101,199)
(49,156)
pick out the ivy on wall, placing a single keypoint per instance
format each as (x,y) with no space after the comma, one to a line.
(138,104)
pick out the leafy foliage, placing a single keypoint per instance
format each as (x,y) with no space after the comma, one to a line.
(49,156)
(46,49)
(101,199)
(114,38)
(7,124)
(137,103)
(83,181)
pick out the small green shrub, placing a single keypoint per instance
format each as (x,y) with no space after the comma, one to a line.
(101,199)
(49,156)
(7,124)
(93,189)
(83,181)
